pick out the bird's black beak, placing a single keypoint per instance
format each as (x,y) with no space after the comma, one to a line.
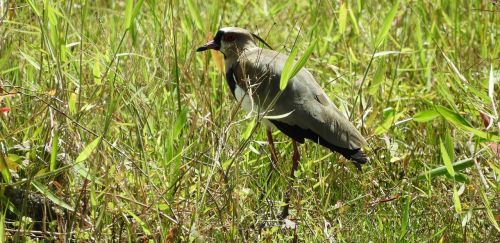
(210,45)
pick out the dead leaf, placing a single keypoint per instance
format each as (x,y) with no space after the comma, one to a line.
(171,234)
(495,147)
(486,119)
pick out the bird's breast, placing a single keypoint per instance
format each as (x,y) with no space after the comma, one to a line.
(246,100)
(249,105)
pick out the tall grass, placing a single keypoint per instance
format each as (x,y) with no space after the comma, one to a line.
(111,120)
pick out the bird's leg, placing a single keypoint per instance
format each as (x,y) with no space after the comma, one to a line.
(295,158)
(295,165)
(274,157)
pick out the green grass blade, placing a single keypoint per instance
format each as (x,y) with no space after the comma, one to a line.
(454,69)
(48,193)
(446,159)
(452,116)
(378,78)
(4,168)
(449,145)
(96,71)
(457,120)
(405,219)
(129,5)
(87,151)
(495,168)
(354,22)
(53,152)
(425,116)
(389,118)
(289,69)
(31,60)
(342,18)
(248,130)
(2,227)
(72,103)
(143,225)
(85,173)
(489,212)
(136,10)
(386,26)
(456,200)
(437,234)
(442,170)
(180,122)
(302,61)
(34,8)
(195,14)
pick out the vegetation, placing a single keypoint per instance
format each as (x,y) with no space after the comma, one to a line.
(113,127)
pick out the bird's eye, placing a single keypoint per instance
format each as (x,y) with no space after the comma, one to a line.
(229,37)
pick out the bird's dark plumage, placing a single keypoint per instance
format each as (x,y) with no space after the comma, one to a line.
(300,134)
(231,81)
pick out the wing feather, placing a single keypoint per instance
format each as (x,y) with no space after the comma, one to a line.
(313,111)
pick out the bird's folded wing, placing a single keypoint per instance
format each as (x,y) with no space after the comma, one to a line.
(313,114)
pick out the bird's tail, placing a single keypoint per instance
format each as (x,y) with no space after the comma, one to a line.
(357,156)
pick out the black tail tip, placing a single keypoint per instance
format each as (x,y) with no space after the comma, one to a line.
(358,158)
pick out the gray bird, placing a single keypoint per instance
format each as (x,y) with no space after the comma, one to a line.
(253,74)
(301,111)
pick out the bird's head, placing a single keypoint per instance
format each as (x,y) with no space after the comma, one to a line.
(231,41)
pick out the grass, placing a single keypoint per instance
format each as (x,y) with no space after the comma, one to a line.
(109,115)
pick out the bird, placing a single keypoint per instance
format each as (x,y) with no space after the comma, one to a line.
(301,111)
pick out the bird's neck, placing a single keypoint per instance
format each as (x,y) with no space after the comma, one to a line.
(231,57)
(230,61)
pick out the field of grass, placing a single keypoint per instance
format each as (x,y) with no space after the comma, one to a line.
(112,127)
